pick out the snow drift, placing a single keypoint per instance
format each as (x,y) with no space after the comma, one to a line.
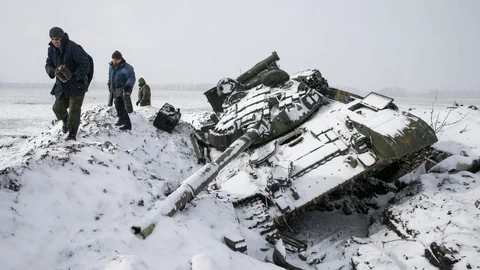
(68,205)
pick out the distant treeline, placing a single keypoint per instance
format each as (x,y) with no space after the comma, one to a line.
(451,94)
(103,85)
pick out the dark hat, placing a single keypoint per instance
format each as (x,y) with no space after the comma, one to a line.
(56,32)
(117,55)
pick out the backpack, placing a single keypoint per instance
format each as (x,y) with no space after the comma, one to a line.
(90,71)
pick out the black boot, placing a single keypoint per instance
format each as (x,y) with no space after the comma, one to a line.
(65,125)
(126,127)
(120,122)
(128,124)
(72,135)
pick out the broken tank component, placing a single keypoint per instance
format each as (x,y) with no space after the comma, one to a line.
(167,118)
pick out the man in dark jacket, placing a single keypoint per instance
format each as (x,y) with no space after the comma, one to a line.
(143,93)
(70,65)
(121,78)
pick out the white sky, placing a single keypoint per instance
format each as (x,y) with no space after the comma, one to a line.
(369,45)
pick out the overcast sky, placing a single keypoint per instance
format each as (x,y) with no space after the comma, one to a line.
(418,45)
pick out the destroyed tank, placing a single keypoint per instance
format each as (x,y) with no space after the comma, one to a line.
(303,139)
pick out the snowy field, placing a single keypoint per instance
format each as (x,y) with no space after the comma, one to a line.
(27,111)
(71,205)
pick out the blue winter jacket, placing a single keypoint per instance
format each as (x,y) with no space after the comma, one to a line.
(77,60)
(119,77)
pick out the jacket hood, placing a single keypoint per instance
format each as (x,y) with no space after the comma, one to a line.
(141,82)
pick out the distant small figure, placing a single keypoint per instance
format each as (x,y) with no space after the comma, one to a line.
(121,78)
(73,69)
(143,93)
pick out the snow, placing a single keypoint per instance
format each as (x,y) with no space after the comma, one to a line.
(202,261)
(126,262)
(377,101)
(77,200)
(281,248)
(455,162)
(367,159)
(386,122)
(240,184)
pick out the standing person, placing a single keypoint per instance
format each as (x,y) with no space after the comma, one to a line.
(73,69)
(121,78)
(143,93)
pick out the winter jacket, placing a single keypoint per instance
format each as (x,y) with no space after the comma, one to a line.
(143,93)
(76,60)
(120,76)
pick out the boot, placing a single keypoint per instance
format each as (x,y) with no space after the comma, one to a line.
(65,125)
(128,124)
(72,135)
(126,127)
(120,122)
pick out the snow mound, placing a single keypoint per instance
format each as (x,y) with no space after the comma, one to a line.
(438,227)
(69,205)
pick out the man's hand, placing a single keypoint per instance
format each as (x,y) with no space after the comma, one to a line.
(128,89)
(138,102)
(51,73)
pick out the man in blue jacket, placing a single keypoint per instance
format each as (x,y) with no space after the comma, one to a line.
(71,66)
(121,78)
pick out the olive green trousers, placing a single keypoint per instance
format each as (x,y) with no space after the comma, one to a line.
(74,104)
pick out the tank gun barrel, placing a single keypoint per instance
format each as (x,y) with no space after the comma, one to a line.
(194,184)
(259,67)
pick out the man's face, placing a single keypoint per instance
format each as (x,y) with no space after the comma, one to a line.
(116,61)
(57,42)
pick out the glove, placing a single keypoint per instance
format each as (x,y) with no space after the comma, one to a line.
(51,73)
(127,89)
(138,102)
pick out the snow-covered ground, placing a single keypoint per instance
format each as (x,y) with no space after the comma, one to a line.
(70,205)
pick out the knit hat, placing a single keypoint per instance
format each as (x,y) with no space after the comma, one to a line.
(117,55)
(56,32)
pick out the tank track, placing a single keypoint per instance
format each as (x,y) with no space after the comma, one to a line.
(253,213)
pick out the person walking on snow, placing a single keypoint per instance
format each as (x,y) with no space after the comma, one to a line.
(121,78)
(143,93)
(73,69)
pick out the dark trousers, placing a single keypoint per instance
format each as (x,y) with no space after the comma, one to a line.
(121,112)
(61,106)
